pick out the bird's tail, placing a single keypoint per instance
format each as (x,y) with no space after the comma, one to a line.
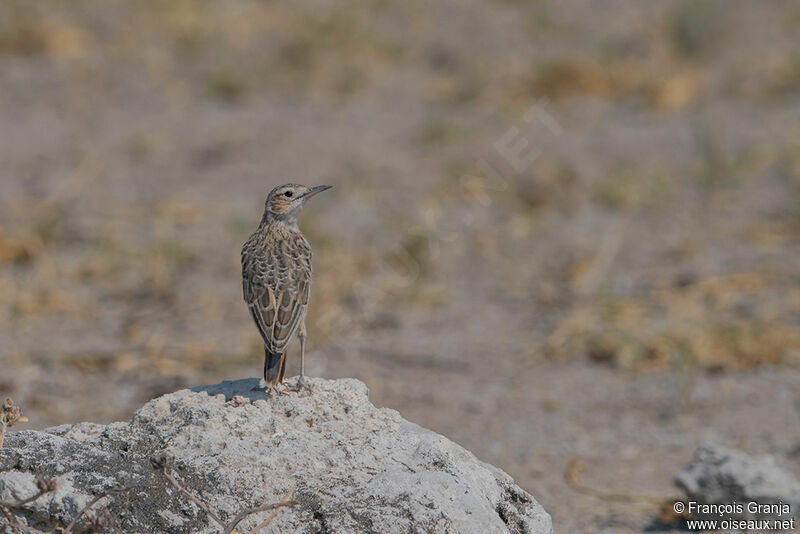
(274,366)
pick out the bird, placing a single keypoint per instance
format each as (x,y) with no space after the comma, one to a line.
(276,279)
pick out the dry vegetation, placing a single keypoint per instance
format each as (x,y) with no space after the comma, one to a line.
(10,415)
(659,233)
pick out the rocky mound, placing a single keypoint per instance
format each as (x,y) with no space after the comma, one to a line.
(191,461)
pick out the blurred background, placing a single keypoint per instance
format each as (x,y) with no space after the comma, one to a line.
(560,232)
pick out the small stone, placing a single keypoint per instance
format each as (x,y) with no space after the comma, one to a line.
(719,475)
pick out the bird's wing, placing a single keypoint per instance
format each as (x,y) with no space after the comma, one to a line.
(276,282)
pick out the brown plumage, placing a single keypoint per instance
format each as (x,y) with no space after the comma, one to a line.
(276,277)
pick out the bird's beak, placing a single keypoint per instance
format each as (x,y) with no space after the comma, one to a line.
(316,189)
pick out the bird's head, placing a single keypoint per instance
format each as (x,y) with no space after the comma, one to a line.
(285,201)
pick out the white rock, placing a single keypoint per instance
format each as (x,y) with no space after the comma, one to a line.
(353,467)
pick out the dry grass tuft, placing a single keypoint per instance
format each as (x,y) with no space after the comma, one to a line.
(10,415)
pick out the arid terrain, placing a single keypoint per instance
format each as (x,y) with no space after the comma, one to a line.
(562,234)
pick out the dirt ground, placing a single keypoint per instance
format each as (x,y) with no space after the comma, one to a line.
(561,234)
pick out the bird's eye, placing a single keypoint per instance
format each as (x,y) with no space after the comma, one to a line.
(288,194)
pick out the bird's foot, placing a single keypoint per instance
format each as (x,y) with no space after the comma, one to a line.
(277,390)
(301,385)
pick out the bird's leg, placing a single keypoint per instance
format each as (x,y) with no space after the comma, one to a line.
(301,335)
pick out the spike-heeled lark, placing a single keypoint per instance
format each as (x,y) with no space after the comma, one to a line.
(276,278)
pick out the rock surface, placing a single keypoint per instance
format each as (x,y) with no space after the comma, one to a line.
(353,467)
(719,475)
